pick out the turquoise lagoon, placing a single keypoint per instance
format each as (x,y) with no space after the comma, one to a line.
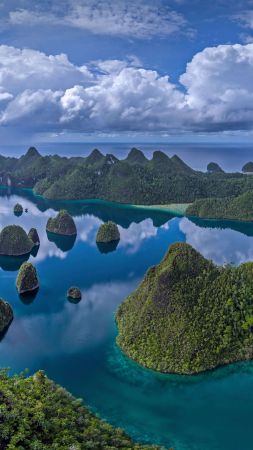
(75,343)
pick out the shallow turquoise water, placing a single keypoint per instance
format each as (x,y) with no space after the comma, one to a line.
(75,343)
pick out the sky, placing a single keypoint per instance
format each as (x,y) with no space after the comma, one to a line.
(72,70)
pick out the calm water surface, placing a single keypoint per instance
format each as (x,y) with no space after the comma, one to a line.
(75,343)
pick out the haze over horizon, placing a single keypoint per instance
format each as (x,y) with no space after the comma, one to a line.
(126,71)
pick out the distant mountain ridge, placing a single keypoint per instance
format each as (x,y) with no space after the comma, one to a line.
(135,179)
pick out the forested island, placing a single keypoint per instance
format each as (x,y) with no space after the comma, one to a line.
(232,208)
(189,315)
(38,414)
(135,179)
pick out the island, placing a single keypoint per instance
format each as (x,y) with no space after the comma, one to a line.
(248,168)
(74,293)
(188,315)
(18,209)
(27,279)
(135,180)
(33,235)
(6,315)
(213,167)
(108,232)
(231,208)
(62,224)
(37,413)
(14,241)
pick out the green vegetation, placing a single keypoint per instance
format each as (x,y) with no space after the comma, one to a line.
(62,224)
(38,414)
(108,232)
(18,209)
(6,315)
(136,180)
(233,208)
(14,241)
(189,315)
(74,293)
(27,279)
(248,167)
(213,167)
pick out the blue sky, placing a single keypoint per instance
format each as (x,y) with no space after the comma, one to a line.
(162,68)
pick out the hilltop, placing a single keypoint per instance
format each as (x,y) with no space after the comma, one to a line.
(188,315)
(135,179)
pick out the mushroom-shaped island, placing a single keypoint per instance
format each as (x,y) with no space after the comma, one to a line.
(74,293)
(18,209)
(14,241)
(33,235)
(27,279)
(108,232)
(6,315)
(62,224)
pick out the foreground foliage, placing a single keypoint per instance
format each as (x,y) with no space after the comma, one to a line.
(189,315)
(37,414)
(233,208)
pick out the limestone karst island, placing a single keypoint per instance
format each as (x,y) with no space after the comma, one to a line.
(126,225)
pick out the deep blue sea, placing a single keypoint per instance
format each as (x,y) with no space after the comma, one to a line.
(75,343)
(231,156)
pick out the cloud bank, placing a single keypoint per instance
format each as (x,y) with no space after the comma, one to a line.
(43,92)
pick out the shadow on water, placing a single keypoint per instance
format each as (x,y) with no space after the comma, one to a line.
(64,243)
(29,297)
(107,247)
(13,263)
(35,250)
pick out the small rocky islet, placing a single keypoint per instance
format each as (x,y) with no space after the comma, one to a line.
(63,224)
(33,235)
(14,241)
(108,232)
(6,315)
(74,293)
(18,209)
(27,279)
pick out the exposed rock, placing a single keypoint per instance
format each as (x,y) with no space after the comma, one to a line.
(27,279)
(18,209)
(108,232)
(6,315)
(33,235)
(63,224)
(14,241)
(74,293)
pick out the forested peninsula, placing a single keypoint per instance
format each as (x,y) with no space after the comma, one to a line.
(36,413)
(135,179)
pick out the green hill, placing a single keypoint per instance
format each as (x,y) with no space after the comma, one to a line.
(232,208)
(188,315)
(135,179)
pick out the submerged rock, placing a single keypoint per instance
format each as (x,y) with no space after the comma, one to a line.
(74,293)
(18,209)
(108,232)
(27,279)
(14,241)
(33,235)
(62,224)
(6,315)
